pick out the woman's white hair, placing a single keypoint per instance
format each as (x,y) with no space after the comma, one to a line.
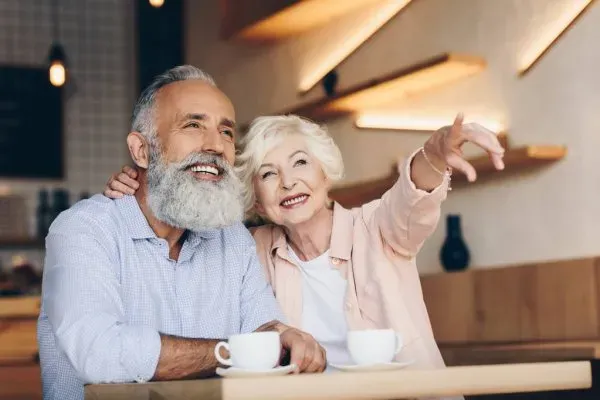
(267,132)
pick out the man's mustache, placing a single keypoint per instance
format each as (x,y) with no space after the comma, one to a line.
(203,158)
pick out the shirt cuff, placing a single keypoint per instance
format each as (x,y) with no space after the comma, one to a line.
(140,353)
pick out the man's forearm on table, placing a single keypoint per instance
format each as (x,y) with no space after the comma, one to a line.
(182,358)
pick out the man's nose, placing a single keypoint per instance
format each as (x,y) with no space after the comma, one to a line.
(212,142)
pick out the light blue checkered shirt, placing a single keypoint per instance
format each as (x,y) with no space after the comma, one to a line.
(110,287)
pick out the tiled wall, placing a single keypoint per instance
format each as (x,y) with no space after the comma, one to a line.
(98,36)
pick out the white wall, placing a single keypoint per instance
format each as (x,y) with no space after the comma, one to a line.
(549,214)
(98,37)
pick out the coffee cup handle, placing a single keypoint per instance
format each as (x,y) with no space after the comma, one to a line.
(399,343)
(224,361)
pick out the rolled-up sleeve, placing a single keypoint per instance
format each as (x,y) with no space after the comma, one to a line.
(83,303)
(258,304)
(406,216)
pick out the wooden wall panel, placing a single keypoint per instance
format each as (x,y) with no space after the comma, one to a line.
(546,301)
(453,292)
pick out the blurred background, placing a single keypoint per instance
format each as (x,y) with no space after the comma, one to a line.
(514,259)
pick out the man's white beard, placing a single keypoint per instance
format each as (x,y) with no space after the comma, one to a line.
(177,198)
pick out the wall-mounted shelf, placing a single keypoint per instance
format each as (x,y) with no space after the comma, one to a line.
(413,80)
(406,82)
(359,193)
(520,158)
(273,20)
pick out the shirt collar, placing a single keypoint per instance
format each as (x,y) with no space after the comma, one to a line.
(138,225)
(342,232)
(341,235)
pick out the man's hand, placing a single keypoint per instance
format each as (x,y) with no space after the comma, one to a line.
(305,352)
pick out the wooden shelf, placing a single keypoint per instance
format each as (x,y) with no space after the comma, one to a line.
(22,243)
(19,306)
(415,79)
(273,20)
(356,194)
(520,158)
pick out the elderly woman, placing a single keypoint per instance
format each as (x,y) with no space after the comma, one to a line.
(334,269)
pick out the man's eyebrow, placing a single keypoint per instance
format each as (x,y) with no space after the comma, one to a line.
(228,122)
(199,117)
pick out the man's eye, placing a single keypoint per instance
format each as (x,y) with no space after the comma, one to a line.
(194,125)
(228,132)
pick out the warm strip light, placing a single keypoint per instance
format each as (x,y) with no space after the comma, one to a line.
(448,69)
(352,41)
(417,123)
(301,17)
(552,32)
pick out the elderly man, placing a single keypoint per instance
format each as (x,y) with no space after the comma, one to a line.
(143,287)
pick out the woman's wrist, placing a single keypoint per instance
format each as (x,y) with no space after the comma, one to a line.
(428,172)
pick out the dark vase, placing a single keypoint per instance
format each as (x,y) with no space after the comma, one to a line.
(454,254)
(330,82)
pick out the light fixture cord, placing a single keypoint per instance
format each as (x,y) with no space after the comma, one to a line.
(55,20)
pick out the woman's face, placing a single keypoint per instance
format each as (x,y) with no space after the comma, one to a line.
(290,185)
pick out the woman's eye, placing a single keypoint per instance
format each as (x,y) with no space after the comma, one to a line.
(300,162)
(266,174)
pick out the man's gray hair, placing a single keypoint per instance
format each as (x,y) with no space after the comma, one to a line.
(142,119)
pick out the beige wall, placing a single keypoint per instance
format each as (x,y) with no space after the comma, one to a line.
(549,214)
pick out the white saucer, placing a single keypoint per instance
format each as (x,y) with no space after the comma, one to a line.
(233,372)
(372,367)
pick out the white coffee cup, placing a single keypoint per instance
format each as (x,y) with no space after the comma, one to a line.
(256,350)
(373,346)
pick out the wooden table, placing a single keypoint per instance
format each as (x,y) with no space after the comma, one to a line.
(402,384)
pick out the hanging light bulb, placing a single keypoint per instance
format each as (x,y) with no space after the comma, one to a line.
(57,71)
(156,3)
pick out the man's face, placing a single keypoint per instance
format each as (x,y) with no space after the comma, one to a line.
(194,117)
(191,182)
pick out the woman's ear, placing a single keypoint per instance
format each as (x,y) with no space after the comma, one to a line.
(139,149)
(260,210)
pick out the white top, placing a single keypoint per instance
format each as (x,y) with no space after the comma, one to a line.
(323,293)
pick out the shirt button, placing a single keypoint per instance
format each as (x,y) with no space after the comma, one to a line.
(348,305)
(336,261)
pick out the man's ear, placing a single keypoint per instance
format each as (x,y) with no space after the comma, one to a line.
(139,149)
